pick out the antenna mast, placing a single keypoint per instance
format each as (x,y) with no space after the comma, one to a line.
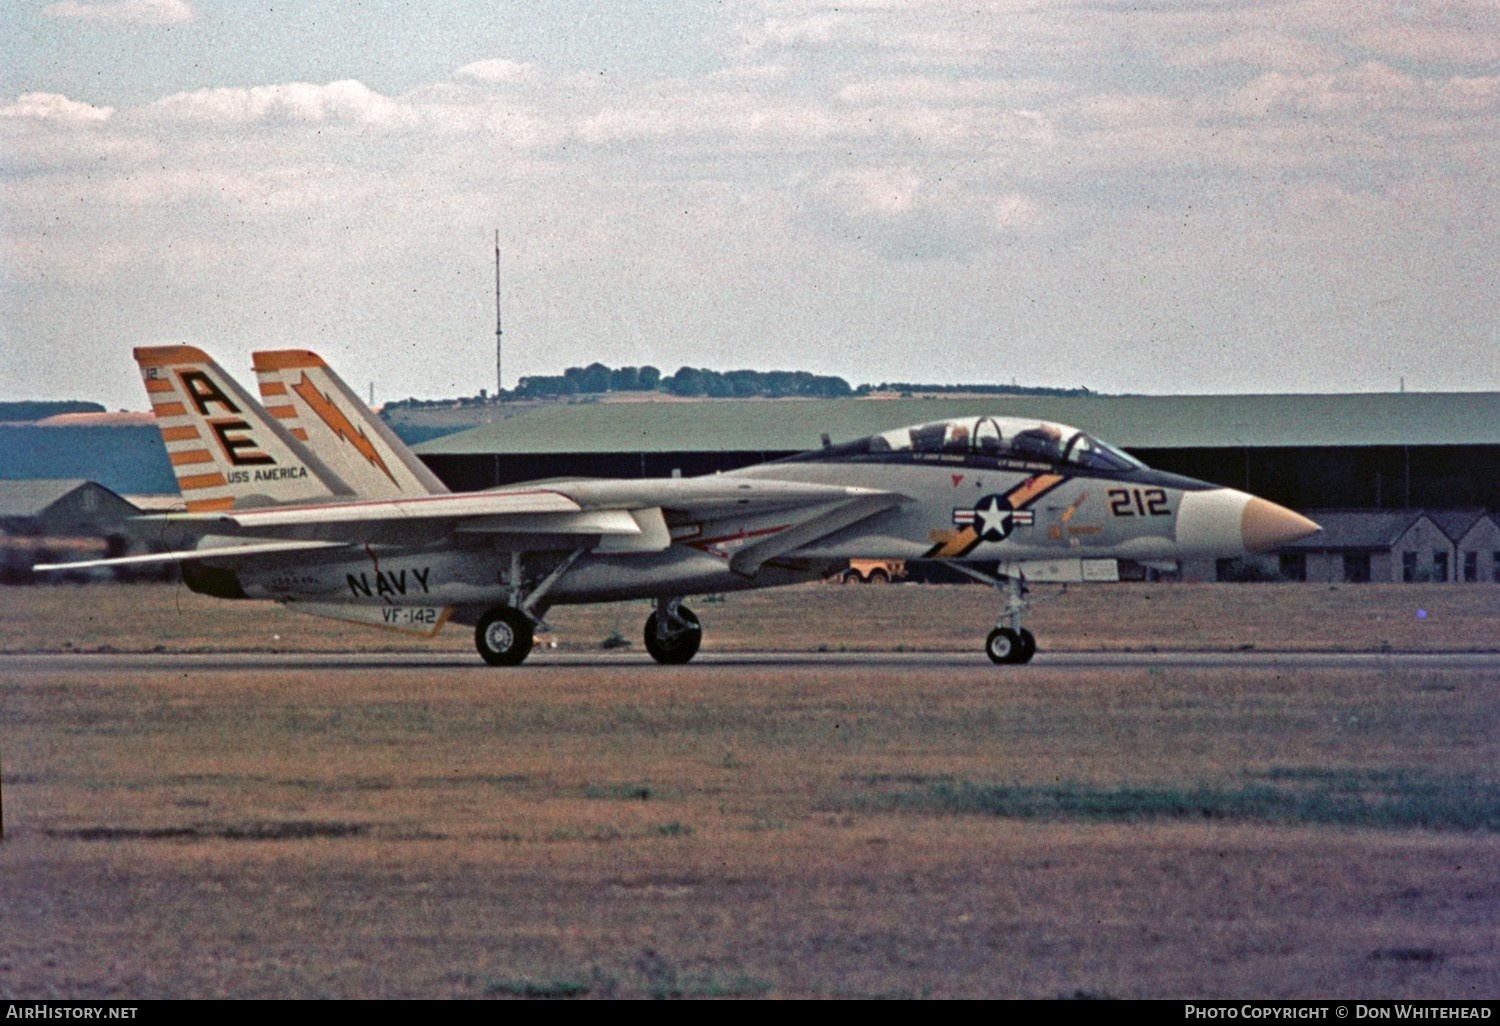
(500,380)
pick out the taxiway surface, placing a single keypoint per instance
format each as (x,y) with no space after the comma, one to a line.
(33,663)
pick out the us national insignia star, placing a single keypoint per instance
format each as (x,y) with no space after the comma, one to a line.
(993,518)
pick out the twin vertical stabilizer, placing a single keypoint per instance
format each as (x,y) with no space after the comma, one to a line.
(309,400)
(312,442)
(225,450)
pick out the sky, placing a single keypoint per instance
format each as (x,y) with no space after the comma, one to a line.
(1161,196)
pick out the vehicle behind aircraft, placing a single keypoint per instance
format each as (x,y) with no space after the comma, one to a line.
(315,504)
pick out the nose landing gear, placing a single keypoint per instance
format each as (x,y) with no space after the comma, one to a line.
(1009,642)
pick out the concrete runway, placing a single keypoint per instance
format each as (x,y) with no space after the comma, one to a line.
(543,659)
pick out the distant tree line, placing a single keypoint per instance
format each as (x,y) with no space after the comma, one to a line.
(594,379)
(38,409)
(744,384)
(598,379)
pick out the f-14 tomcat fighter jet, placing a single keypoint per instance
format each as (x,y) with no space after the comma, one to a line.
(311,501)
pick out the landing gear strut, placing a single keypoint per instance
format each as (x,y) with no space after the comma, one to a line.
(673,633)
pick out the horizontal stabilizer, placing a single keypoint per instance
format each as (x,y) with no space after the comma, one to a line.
(435,507)
(188,555)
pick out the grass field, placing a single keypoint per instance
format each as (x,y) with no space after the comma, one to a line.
(874,829)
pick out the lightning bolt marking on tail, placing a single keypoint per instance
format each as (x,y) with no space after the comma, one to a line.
(339,424)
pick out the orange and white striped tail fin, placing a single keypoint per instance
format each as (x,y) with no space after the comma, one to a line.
(226,451)
(314,404)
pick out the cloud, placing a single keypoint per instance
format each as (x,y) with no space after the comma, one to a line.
(499,69)
(298,102)
(124,12)
(1477,49)
(882,192)
(1138,161)
(54,107)
(928,89)
(1259,49)
(1369,89)
(1015,212)
(914,33)
(816,29)
(905,215)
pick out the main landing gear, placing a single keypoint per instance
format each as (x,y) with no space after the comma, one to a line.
(505,633)
(673,633)
(504,636)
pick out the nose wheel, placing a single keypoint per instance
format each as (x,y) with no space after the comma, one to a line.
(1009,642)
(1005,645)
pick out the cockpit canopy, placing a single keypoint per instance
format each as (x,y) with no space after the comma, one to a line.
(1015,438)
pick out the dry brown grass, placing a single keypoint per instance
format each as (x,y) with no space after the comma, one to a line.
(811,618)
(729,830)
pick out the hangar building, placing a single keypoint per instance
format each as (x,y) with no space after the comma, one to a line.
(42,521)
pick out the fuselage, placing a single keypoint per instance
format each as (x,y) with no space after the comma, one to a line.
(979,490)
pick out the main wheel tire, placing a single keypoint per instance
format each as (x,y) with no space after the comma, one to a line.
(1003,646)
(878,577)
(678,648)
(503,636)
(1028,646)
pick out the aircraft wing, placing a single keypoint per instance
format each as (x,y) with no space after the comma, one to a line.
(717,493)
(624,516)
(627,514)
(748,561)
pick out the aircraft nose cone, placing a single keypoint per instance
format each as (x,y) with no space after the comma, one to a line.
(1265,526)
(1222,522)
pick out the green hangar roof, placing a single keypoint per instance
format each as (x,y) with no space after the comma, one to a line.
(1139,422)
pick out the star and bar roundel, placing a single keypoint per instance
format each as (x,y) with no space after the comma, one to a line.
(992,518)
